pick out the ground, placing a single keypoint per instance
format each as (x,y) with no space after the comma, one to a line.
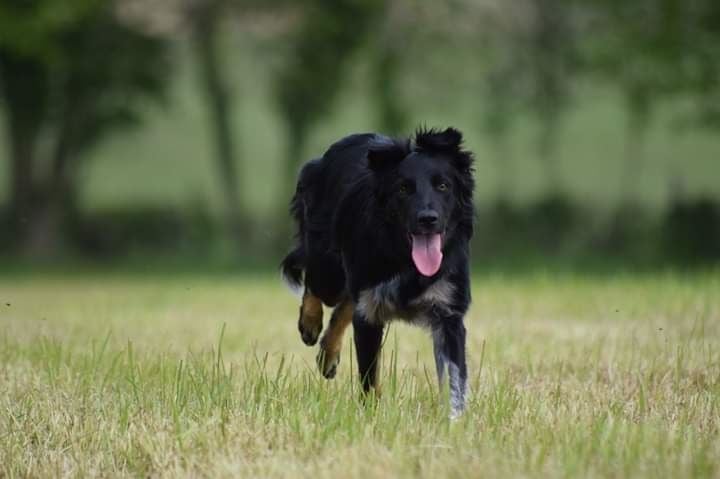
(205,375)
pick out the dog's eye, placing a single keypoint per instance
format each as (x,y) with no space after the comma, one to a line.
(403,190)
(442,186)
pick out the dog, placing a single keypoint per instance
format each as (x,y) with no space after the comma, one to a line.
(384,227)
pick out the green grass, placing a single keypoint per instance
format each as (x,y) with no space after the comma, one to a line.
(572,376)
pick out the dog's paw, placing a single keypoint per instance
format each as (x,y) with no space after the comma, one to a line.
(327,361)
(456,413)
(371,396)
(310,329)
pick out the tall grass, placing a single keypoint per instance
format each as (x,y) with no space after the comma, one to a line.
(570,377)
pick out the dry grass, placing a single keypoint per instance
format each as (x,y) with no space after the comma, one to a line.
(572,376)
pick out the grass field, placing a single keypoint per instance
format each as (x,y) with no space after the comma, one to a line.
(191,375)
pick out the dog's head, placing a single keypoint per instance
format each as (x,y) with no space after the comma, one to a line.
(425,187)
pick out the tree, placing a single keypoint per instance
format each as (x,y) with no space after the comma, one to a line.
(499,110)
(328,33)
(530,61)
(551,56)
(698,59)
(655,51)
(203,21)
(69,78)
(386,57)
(504,84)
(641,59)
(206,18)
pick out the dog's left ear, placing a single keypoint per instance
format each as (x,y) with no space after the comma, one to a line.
(446,141)
(385,153)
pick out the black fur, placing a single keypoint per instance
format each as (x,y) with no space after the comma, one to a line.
(356,208)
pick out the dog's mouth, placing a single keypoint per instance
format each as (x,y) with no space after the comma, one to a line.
(427,252)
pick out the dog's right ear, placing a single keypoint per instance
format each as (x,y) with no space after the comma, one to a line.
(385,153)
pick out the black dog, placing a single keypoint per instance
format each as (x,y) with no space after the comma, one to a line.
(384,227)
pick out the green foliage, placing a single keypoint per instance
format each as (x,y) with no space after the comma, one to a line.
(72,73)
(109,66)
(550,51)
(31,28)
(393,118)
(85,63)
(84,67)
(656,50)
(67,79)
(322,46)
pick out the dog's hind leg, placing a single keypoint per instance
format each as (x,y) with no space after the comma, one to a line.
(310,322)
(328,357)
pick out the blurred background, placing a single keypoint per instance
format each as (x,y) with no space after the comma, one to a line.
(155,132)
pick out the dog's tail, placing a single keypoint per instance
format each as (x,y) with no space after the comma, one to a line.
(292,268)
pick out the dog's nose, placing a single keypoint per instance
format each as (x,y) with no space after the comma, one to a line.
(427,218)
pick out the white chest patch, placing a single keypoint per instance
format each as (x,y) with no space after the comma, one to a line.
(440,293)
(379,304)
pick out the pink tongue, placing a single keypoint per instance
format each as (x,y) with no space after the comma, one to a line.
(426,253)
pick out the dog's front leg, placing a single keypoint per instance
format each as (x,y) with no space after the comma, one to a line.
(449,345)
(310,322)
(438,337)
(328,357)
(368,343)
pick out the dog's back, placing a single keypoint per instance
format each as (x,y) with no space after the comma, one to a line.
(322,183)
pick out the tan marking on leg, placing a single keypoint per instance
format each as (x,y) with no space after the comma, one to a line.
(331,342)
(311,318)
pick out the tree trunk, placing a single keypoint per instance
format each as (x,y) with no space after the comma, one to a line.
(547,152)
(392,115)
(634,154)
(639,111)
(22,144)
(294,148)
(296,138)
(56,207)
(503,162)
(219,108)
(24,89)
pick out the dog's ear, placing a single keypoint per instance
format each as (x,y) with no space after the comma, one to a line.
(385,153)
(446,141)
